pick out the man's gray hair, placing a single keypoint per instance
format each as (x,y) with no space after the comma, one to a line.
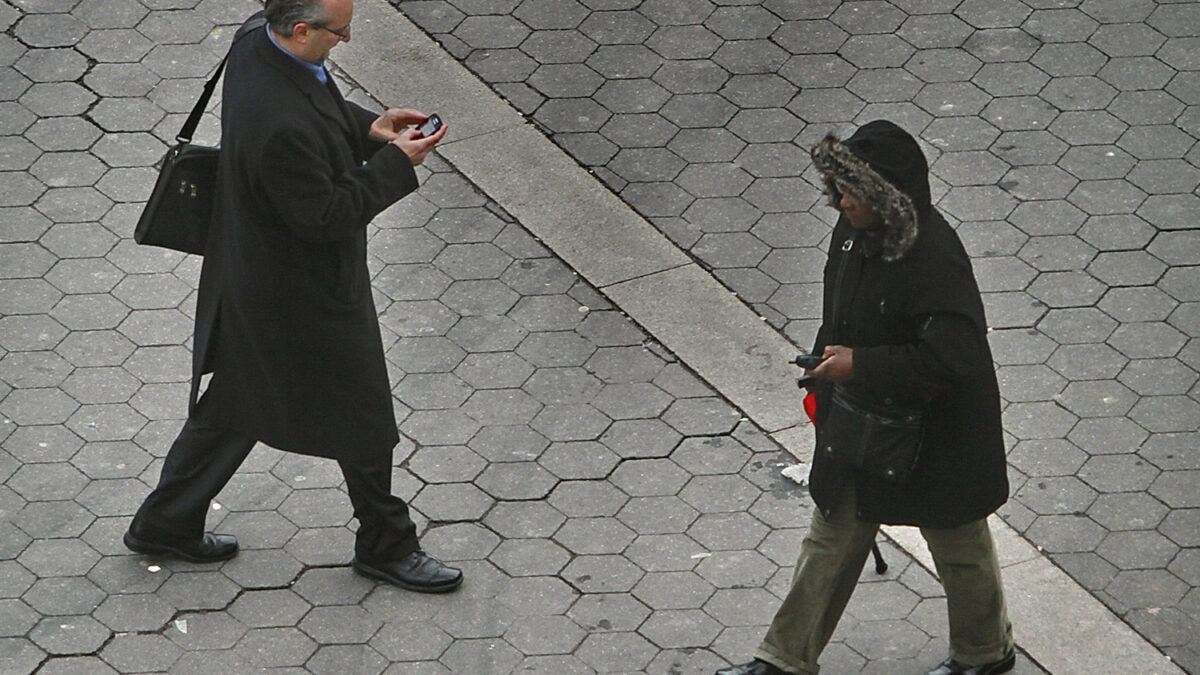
(283,15)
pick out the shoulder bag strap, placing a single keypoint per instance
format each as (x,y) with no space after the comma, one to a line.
(193,120)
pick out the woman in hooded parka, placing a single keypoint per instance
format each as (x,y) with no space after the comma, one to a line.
(902,326)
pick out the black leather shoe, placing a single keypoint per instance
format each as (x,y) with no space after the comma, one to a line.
(952,667)
(207,549)
(755,667)
(415,572)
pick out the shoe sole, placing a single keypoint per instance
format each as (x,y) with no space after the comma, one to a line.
(380,575)
(146,548)
(1004,666)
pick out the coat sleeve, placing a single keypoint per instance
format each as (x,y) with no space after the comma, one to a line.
(363,119)
(948,351)
(951,337)
(299,183)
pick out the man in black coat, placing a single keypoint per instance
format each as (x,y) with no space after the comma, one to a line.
(285,320)
(903,331)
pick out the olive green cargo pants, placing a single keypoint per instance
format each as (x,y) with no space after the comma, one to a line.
(831,560)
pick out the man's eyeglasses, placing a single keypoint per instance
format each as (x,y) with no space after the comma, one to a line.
(343,33)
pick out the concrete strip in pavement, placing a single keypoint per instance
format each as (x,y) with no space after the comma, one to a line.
(1057,622)
(581,220)
(577,217)
(404,67)
(586,225)
(713,332)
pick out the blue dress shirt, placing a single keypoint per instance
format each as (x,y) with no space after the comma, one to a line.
(317,69)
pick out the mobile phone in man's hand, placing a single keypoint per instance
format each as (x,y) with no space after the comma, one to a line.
(430,126)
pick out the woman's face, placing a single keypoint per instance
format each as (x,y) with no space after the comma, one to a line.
(861,216)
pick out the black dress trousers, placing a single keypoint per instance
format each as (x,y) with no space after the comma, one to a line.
(203,459)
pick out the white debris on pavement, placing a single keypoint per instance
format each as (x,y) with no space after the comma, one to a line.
(798,473)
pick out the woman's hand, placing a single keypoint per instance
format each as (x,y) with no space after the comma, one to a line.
(838,365)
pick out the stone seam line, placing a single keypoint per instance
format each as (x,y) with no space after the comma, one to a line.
(1056,621)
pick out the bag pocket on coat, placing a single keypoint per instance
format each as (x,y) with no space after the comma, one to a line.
(883,441)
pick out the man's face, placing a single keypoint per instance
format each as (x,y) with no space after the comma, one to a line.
(322,37)
(860,215)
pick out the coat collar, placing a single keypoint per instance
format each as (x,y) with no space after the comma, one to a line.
(325,98)
(872,244)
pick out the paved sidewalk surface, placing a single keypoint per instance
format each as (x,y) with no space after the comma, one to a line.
(1063,134)
(613,512)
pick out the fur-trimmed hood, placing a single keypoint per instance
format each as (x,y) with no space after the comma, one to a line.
(883,165)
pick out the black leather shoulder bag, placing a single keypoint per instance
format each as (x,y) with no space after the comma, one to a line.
(180,207)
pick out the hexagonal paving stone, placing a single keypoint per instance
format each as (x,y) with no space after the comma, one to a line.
(509,443)
(1108,435)
(719,493)
(18,618)
(555,349)
(411,641)
(640,438)
(198,590)
(442,464)
(579,422)
(101,385)
(1150,377)
(701,416)
(339,625)
(516,480)
(494,370)
(1143,303)
(579,460)
(452,502)
(1118,473)
(1100,398)
(275,647)
(30,332)
(271,607)
(72,635)
(54,518)
(530,557)
(486,333)
(34,369)
(49,443)
(1137,549)
(1151,588)
(432,391)
(56,480)
(439,427)
(1065,534)
(657,514)
(134,612)
(140,652)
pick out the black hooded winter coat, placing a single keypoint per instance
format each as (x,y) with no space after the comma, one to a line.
(905,299)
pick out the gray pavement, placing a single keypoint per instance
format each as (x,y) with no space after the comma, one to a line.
(1061,134)
(614,512)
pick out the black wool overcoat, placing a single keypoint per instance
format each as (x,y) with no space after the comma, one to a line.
(285,319)
(907,302)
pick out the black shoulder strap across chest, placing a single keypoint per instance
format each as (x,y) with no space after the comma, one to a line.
(193,120)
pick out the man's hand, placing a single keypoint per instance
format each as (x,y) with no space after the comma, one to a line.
(416,146)
(395,126)
(838,365)
(387,127)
